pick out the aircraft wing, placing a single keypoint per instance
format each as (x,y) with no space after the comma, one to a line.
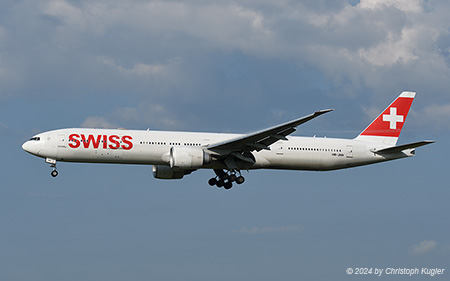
(262,139)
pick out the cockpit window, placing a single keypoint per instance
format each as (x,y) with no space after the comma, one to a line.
(35,139)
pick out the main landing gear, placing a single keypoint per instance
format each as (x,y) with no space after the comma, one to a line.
(52,163)
(226,178)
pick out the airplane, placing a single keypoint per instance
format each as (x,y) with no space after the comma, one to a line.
(176,154)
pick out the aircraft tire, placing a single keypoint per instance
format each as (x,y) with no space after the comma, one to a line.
(240,180)
(212,181)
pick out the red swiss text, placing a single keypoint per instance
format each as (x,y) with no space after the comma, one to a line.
(102,141)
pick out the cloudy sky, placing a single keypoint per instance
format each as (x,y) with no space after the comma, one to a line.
(221,66)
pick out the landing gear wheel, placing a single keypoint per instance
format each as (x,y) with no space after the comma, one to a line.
(212,181)
(240,180)
(228,185)
(54,173)
(225,178)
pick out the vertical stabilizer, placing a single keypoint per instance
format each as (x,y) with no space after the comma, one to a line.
(387,126)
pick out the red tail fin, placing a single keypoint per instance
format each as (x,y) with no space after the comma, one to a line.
(387,126)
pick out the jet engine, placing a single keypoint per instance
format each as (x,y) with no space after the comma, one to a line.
(167,173)
(188,157)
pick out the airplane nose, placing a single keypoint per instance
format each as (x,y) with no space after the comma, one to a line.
(26,146)
(30,148)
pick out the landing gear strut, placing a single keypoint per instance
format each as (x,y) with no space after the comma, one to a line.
(52,163)
(226,178)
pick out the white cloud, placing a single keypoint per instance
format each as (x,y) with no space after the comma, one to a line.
(63,10)
(424,247)
(382,38)
(223,23)
(97,122)
(404,5)
(89,16)
(254,230)
(166,49)
(396,49)
(394,29)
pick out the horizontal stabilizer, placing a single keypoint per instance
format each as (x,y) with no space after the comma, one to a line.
(400,148)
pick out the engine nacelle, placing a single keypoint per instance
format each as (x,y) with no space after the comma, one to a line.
(188,157)
(167,173)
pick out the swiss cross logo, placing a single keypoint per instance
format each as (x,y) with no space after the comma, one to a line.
(393,118)
(390,122)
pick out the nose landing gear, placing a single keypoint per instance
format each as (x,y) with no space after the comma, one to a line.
(226,178)
(52,163)
(54,173)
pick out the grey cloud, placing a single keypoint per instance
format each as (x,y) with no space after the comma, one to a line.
(424,247)
(142,50)
(145,115)
(376,33)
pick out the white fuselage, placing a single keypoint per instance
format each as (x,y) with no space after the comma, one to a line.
(153,148)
